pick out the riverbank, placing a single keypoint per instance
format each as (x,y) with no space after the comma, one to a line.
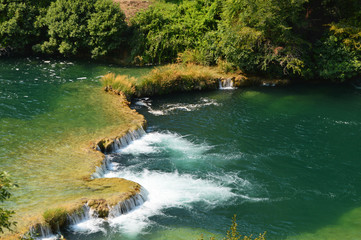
(173,78)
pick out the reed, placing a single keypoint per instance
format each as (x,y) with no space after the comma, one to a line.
(119,83)
(178,78)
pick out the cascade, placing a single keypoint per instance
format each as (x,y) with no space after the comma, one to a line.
(225,84)
(129,204)
(116,145)
(79,216)
(42,232)
(127,139)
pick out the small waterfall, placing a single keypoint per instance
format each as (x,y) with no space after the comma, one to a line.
(85,213)
(226,84)
(42,232)
(116,145)
(127,139)
(100,171)
(129,204)
(121,142)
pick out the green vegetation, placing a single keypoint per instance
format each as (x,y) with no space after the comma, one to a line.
(168,79)
(55,218)
(182,77)
(304,39)
(6,185)
(120,83)
(178,78)
(298,39)
(92,28)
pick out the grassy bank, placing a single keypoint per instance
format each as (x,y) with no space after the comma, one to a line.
(180,78)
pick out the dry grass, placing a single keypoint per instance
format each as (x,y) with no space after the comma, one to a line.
(178,78)
(165,80)
(120,83)
(174,78)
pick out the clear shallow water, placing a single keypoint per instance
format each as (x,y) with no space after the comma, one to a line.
(286,161)
(48,109)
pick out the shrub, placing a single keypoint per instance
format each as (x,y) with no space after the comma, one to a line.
(338,55)
(92,27)
(166,29)
(16,24)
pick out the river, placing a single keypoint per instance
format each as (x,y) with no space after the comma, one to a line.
(284,160)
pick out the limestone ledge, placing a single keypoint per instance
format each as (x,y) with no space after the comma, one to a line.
(104,193)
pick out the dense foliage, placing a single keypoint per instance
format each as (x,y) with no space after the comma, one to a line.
(65,27)
(5,187)
(294,38)
(303,38)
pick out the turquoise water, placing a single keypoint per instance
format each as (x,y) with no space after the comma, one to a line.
(48,107)
(284,160)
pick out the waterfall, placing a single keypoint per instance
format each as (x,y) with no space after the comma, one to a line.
(100,171)
(121,142)
(124,141)
(129,204)
(226,84)
(85,213)
(42,232)
(116,145)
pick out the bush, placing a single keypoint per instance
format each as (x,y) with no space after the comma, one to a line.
(338,55)
(75,27)
(16,24)
(166,29)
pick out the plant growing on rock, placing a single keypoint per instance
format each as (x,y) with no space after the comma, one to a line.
(56,218)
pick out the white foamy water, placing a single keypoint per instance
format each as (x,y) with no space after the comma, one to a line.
(166,190)
(89,226)
(226,84)
(86,222)
(167,109)
(156,142)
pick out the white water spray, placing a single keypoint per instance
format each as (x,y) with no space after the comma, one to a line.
(86,221)
(168,109)
(226,84)
(117,144)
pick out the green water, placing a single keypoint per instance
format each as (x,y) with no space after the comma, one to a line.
(47,108)
(285,160)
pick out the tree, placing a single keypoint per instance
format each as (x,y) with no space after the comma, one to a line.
(6,185)
(16,24)
(82,27)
